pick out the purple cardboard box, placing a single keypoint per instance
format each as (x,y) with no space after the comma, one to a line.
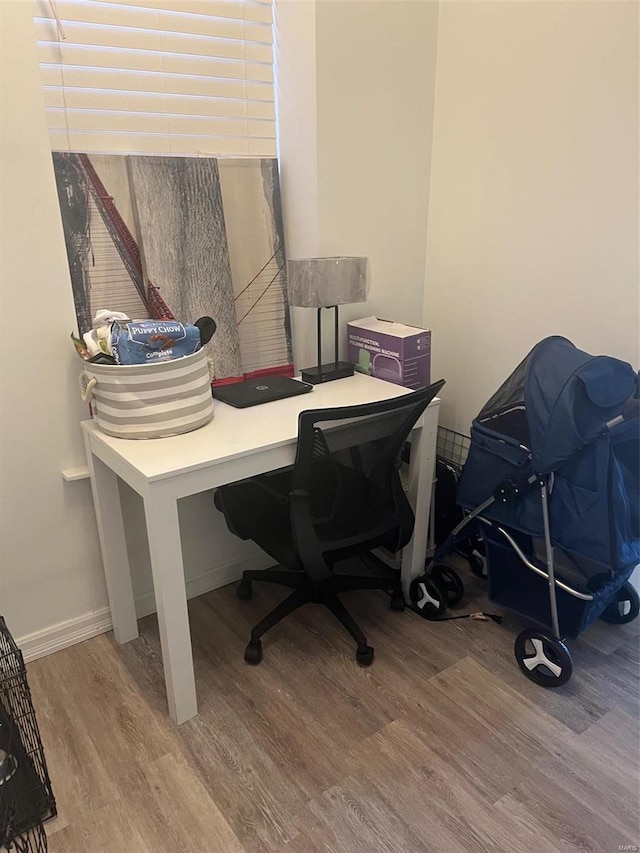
(391,351)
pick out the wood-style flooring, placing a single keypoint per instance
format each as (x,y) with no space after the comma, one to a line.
(441,745)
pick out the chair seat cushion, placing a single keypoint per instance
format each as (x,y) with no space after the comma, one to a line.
(258,509)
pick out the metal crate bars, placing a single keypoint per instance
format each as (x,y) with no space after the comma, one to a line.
(26,796)
(452,447)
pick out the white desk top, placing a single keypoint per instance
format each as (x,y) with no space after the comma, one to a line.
(240,432)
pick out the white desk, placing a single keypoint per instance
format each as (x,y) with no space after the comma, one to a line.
(238,443)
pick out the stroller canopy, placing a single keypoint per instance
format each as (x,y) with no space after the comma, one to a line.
(558,400)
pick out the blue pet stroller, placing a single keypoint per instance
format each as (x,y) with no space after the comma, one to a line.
(553,481)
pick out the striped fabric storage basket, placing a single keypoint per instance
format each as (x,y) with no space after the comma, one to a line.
(150,400)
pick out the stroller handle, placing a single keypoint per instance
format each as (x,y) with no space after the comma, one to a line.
(630,410)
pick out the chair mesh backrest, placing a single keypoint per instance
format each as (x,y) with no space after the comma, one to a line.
(362,445)
(348,461)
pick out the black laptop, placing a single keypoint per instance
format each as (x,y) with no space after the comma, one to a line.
(252,392)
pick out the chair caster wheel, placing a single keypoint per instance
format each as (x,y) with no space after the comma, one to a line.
(244,591)
(365,657)
(397,600)
(477,565)
(253,652)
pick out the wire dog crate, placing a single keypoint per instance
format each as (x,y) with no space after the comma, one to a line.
(452,447)
(21,830)
(26,796)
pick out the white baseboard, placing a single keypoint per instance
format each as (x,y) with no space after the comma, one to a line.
(64,634)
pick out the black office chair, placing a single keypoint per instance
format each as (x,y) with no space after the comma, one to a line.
(342,498)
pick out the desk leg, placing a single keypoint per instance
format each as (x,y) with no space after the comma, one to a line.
(163,530)
(421,473)
(106,500)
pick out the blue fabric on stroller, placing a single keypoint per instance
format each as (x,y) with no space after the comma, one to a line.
(550,424)
(552,419)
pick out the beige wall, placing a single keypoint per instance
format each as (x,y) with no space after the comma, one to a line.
(296,96)
(50,568)
(376,72)
(355,120)
(297,123)
(533,219)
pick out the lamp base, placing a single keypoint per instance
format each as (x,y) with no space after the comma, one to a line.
(327,372)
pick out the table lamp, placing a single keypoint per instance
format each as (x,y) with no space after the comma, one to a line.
(326,283)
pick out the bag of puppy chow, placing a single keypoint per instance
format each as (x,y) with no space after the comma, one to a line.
(148,341)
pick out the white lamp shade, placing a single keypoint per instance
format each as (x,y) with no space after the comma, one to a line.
(324,282)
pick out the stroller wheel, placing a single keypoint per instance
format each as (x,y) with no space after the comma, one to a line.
(624,607)
(448,580)
(477,566)
(428,600)
(543,658)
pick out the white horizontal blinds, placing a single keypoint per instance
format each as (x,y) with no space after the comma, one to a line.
(158,76)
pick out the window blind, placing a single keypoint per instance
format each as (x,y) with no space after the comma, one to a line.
(158,76)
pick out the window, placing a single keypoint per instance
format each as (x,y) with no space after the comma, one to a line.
(158,76)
